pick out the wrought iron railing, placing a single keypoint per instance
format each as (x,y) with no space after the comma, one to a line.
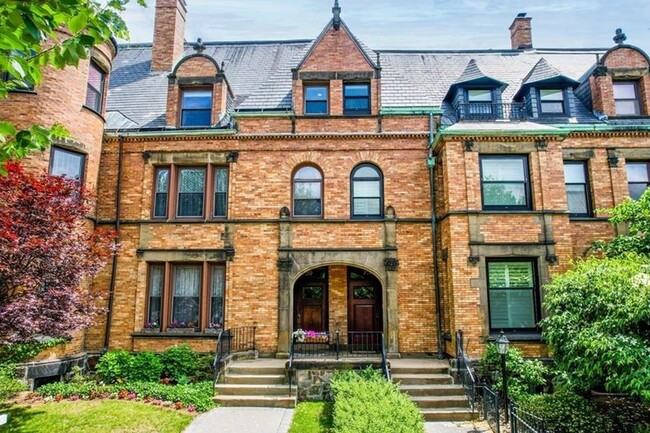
(231,341)
(491,111)
(465,373)
(491,409)
(525,422)
(326,345)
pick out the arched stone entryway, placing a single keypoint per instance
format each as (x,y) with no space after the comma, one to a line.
(380,264)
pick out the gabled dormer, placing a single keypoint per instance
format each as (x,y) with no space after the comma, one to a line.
(476,96)
(198,91)
(620,83)
(547,92)
(337,76)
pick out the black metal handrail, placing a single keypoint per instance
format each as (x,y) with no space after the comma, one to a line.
(384,358)
(465,373)
(231,341)
(491,409)
(483,111)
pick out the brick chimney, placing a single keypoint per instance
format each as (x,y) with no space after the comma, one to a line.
(521,33)
(168,34)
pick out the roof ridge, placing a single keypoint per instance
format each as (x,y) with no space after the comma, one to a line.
(129,45)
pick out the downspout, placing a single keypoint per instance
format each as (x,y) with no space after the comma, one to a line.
(431,163)
(118,205)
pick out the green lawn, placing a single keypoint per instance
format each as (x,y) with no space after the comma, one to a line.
(95,417)
(312,418)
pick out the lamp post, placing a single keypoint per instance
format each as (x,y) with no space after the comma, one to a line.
(502,348)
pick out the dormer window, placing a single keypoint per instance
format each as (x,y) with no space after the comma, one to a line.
(356,98)
(316,99)
(551,101)
(626,98)
(196,107)
(479,104)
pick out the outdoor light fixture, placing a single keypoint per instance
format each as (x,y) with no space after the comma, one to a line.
(502,348)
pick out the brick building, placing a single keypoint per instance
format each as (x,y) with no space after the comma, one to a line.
(319,184)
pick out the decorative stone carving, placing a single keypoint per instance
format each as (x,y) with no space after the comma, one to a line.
(232,156)
(230,255)
(541,145)
(620,37)
(552,259)
(199,46)
(285,212)
(391,264)
(390,213)
(285,265)
(445,254)
(474,260)
(469,145)
(600,71)
(146,155)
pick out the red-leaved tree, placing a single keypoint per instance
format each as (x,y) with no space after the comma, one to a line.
(48,252)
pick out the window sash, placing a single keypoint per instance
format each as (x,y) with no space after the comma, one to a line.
(512,293)
(479,96)
(316,103)
(367,192)
(638,175)
(95,88)
(356,98)
(308,192)
(191,195)
(161,195)
(220,192)
(186,294)
(505,182)
(217,291)
(196,107)
(67,163)
(156,287)
(577,188)
(626,98)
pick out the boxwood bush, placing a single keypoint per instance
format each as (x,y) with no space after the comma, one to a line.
(367,402)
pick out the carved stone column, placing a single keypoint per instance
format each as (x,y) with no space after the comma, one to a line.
(391,264)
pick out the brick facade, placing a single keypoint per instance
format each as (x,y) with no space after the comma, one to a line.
(265,248)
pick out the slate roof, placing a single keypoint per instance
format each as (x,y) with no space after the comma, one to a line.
(260,76)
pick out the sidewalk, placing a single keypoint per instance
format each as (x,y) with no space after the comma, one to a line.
(456,427)
(243,420)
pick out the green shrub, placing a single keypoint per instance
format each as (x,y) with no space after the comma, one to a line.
(9,387)
(524,375)
(179,363)
(204,368)
(114,367)
(198,394)
(367,402)
(145,367)
(599,324)
(566,412)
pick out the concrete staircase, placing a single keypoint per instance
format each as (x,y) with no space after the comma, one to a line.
(260,383)
(431,387)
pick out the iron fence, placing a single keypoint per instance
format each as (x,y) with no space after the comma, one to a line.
(491,410)
(525,422)
(491,111)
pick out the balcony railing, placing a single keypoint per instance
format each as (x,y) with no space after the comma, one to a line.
(491,111)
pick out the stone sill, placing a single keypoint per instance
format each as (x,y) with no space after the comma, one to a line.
(210,335)
(532,337)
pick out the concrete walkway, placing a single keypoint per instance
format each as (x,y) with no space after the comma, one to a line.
(456,427)
(243,420)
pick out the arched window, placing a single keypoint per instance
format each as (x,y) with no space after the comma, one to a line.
(308,192)
(367,192)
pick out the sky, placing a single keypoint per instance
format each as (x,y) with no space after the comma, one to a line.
(414,24)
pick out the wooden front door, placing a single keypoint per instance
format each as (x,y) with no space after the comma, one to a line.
(364,303)
(310,298)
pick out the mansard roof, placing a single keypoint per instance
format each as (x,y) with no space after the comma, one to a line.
(260,76)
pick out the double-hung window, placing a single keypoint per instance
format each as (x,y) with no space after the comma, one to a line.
(367,192)
(479,104)
(220,192)
(551,101)
(638,178)
(513,294)
(626,98)
(95,92)
(356,98)
(196,107)
(191,191)
(186,295)
(217,290)
(308,192)
(316,99)
(67,163)
(505,182)
(577,188)
(156,287)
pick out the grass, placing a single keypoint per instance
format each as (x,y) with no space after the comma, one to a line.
(95,417)
(312,417)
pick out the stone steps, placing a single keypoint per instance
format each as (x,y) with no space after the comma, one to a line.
(432,389)
(258,383)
